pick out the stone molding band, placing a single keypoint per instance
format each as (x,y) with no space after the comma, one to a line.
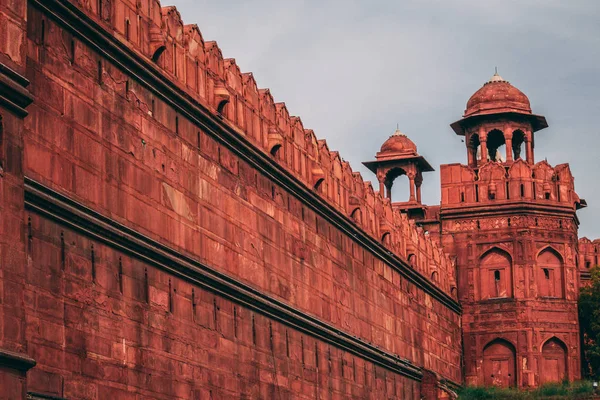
(13,93)
(150,76)
(53,205)
(13,360)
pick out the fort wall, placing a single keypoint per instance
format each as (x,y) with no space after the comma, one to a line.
(185,236)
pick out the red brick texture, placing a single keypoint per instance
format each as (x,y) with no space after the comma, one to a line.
(102,321)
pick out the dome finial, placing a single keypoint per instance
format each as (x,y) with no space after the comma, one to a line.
(496,77)
(397,132)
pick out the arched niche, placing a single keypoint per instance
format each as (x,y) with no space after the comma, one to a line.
(412,260)
(495,269)
(386,239)
(499,364)
(356,215)
(549,273)
(553,367)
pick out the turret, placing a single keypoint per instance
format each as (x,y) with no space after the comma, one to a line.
(398,156)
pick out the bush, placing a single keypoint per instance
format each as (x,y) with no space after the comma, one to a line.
(556,391)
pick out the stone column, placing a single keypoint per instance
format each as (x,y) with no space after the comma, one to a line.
(529,147)
(411,177)
(470,156)
(484,149)
(418,184)
(508,144)
(381,179)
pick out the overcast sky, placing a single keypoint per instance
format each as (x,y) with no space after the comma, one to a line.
(352,70)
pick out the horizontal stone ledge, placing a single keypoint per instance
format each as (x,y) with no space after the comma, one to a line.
(67,212)
(13,360)
(151,77)
(13,93)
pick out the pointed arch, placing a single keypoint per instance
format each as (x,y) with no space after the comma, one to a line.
(499,363)
(549,273)
(549,248)
(495,269)
(356,215)
(496,145)
(412,260)
(517,143)
(497,248)
(156,56)
(554,366)
(386,238)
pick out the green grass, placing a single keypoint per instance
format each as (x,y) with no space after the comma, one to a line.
(554,391)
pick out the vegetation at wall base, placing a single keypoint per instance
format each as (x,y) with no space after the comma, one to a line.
(589,325)
(554,391)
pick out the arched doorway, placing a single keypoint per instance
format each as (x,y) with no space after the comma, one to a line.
(554,361)
(499,364)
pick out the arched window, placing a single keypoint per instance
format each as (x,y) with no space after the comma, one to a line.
(495,144)
(499,364)
(396,178)
(550,274)
(554,361)
(496,274)
(517,143)
(435,277)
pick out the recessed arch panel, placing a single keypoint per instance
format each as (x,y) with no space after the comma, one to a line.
(554,361)
(549,273)
(495,274)
(499,364)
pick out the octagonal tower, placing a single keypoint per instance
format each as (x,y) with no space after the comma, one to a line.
(511,225)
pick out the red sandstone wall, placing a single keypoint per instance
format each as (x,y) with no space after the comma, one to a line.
(518,212)
(103,139)
(134,332)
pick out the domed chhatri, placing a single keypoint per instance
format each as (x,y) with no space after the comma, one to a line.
(496,96)
(398,156)
(397,144)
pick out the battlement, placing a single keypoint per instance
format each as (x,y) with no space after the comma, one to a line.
(589,253)
(496,183)
(217,83)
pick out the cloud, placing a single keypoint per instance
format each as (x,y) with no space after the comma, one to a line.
(353,69)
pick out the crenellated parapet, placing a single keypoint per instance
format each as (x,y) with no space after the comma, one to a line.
(588,256)
(198,67)
(496,183)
